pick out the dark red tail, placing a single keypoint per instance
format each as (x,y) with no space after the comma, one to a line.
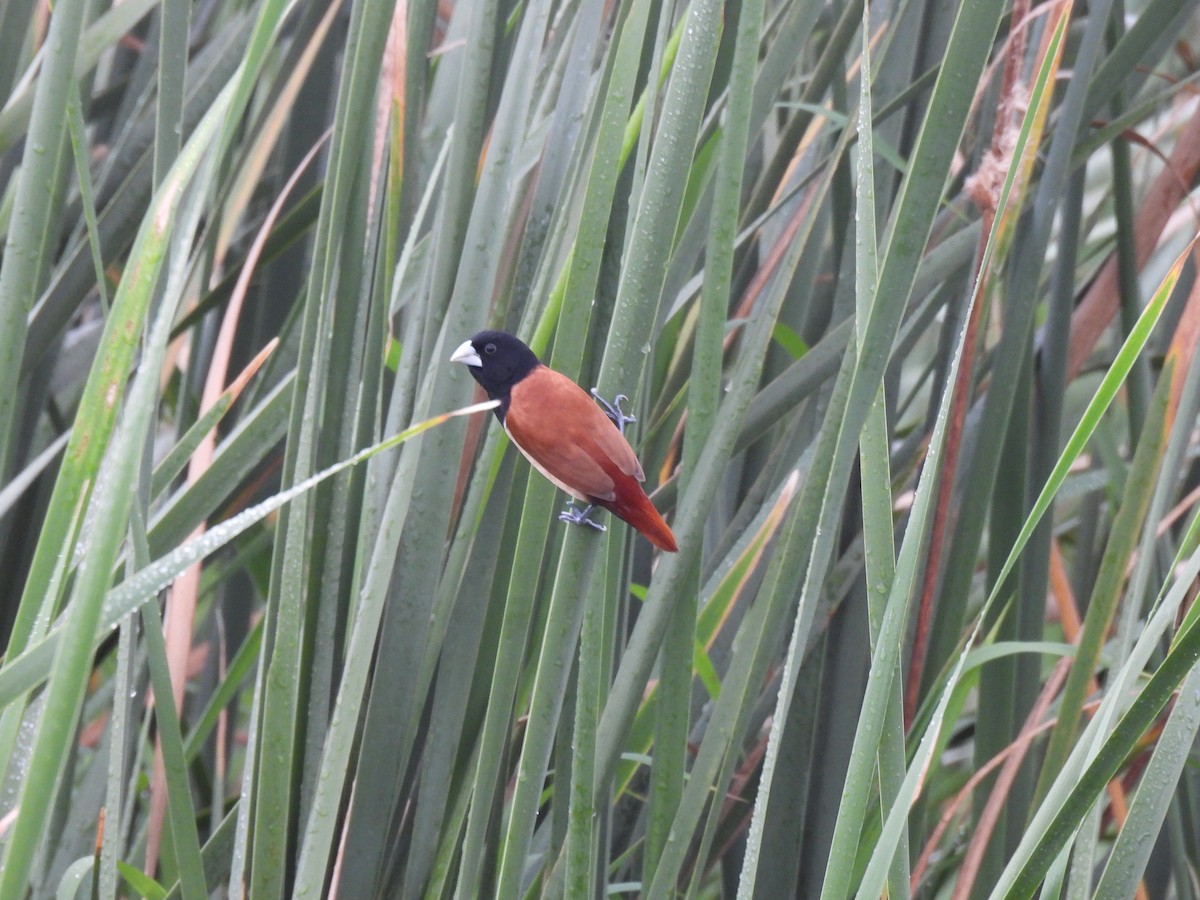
(635,507)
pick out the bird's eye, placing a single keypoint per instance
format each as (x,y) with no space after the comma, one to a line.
(489,349)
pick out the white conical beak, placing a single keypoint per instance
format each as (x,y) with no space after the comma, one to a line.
(466,354)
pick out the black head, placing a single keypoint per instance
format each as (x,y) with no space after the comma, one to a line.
(497,360)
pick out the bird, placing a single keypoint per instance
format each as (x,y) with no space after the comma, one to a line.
(564,434)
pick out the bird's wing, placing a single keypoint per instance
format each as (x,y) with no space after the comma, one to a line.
(562,431)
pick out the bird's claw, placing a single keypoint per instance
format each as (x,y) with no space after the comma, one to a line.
(576,516)
(613,410)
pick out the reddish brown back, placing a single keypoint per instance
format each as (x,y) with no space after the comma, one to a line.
(566,435)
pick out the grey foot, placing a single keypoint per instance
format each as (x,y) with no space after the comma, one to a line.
(613,410)
(576,516)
